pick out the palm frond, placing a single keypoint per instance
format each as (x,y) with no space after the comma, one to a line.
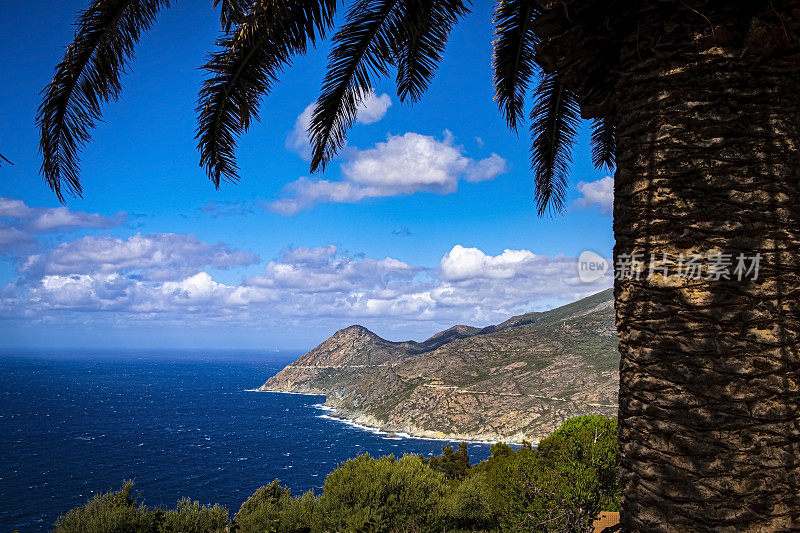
(554,121)
(424,27)
(244,70)
(6,160)
(87,77)
(604,143)
(232,12)
(362,49)
(513,62)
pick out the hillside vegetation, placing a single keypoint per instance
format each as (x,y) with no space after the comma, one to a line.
(514,381)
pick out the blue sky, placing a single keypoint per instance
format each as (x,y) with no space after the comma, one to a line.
(426,219)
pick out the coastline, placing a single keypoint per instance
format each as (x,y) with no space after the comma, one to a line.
(368,423)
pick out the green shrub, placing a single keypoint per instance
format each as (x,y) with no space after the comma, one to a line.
(366,494)
(453,464)
(117,512)
(584,449)
(261,511)
(560,486)
(469,506)
(191,517)
(272,509)
(112,512)
(297,516)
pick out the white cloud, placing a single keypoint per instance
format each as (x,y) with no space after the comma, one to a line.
(485,169)
(512,282)
(13,208)
(599,192)
(169,278)
(19,224)
(324,269)
(59,219)
(15,239)
(404,164)
(158,256)
(298,140)
(372,109)
(469,286)
(471,263)
(306,192)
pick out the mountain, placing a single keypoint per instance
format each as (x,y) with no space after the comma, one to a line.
(517,380)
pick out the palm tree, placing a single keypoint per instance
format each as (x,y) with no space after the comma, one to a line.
(695,101)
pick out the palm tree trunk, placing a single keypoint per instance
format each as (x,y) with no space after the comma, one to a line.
(708,162)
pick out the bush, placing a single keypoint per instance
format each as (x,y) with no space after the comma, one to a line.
(560,486)
(272,509)
(366,494)
(191,517)
(297,516)
(469,506)
(112,512)
(453,464)
(585,450)
(117,512)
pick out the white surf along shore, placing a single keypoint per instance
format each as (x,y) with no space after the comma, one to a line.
(371,425)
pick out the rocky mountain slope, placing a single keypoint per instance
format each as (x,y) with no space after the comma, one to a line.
(517,380)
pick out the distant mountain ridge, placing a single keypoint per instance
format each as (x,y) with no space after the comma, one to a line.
(517,380)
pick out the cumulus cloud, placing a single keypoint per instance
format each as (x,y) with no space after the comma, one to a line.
(19,223)
(404,164)
(372,109)
(158,256)
(599,193)
(511,282)
(12,238)
(171,278)
(324,269)
(471,263)
(49,220)
(136,299)
(468,286)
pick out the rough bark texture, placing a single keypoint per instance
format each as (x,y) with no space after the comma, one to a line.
(705,96)
(708,162)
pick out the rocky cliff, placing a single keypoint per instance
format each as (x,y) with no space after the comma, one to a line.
(517,380)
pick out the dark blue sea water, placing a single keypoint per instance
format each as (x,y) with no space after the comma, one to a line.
(180,424)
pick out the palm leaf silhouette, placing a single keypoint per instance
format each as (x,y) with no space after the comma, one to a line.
(513,60)
(423,33)
(604,143)
(87,77)
(232,12)
(362,50)
(554,121)
(259,39)
(245,68)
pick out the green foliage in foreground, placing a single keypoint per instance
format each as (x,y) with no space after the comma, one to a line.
(117,512)
(560,486)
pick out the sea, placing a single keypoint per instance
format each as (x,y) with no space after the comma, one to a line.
(179,423)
